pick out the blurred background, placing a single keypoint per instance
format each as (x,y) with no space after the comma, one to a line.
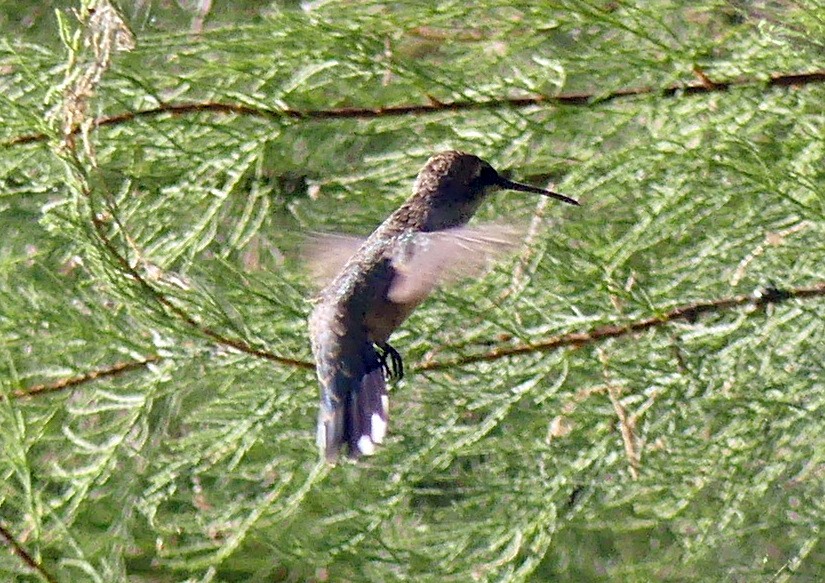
(161,164)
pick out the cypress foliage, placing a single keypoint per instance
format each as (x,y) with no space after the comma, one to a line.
(637,395)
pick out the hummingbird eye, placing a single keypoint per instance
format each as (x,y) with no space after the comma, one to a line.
(487,176)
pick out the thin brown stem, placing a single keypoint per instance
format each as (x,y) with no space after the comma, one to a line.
(180,313)
(688,312)
(87,377)
(574,99)
(24,555)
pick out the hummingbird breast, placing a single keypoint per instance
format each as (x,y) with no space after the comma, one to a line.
(385,316)
(362,292)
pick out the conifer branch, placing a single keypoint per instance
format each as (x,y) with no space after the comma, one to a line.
(24,555)
(688,312)
(703,85)
(170,306)
(87,377)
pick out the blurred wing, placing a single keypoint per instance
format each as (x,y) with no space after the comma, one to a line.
(427,260)
(326,254)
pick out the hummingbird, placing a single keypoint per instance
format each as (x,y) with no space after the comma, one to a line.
(383,279)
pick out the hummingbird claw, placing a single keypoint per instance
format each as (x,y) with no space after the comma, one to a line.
(391,361)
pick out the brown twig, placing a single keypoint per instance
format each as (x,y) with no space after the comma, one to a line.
(24,555)
(75,118)
(689,312)
(69,382)
(183,315)
(583,98)
(627,422)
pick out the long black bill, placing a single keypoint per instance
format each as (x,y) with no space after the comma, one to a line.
(509,184)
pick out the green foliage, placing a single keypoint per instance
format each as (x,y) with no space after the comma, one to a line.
(201,465)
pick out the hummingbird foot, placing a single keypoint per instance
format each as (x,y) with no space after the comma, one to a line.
(391,361)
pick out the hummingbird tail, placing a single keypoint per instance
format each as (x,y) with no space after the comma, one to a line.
(354,401)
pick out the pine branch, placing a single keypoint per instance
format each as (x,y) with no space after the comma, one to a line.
(701,87)
(164,301)
(688,312)
(24,555)
(82,379)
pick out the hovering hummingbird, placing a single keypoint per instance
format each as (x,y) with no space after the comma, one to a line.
(423,243)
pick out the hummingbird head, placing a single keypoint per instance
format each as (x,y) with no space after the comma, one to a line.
(452,185)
